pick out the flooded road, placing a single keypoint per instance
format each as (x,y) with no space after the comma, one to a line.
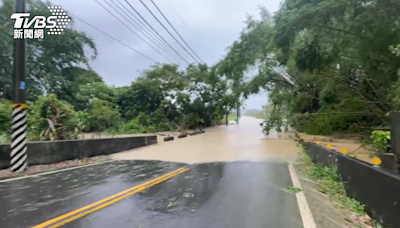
(228,177)
(221,195)
(243,142)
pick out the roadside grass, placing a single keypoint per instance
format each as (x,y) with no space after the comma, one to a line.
(328,182)
(293,189)
(258,115)
(231,117)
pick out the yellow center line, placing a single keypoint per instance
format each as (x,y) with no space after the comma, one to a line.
(103,203)
(111,202)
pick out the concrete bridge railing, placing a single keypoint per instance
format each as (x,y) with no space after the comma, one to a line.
(48,152)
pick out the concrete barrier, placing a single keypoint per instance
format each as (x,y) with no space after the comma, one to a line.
(168,138)
(182,136)
(48,152)
(376,188)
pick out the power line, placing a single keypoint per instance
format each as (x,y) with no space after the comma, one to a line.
(183,20)
(74,16)
(152,31)
(131,29)
(168,31)
(175,30)
(136,25)
(147,32)
(156,31)
(114,38)
(99,30)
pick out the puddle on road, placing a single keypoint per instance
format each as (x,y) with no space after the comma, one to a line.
(235,142)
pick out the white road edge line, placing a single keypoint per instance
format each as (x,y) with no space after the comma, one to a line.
(55,171)
(305,212)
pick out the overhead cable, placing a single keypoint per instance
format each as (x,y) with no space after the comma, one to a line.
(99,30)
(131,29)
(155,31)
(145,30)
(184,22)
(151,12)
(176,31)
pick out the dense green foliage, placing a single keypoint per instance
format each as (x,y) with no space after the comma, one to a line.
(328,65)
(378,142)
(66,97)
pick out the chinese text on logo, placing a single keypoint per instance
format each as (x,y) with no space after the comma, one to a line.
(34,28)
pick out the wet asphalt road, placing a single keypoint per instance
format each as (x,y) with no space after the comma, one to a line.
(246,194)
(31,201)
(231,195)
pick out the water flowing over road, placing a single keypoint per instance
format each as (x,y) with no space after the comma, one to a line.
(231,176)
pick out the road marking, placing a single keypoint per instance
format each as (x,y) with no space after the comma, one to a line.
(54,171)
(305,212)
(73,215)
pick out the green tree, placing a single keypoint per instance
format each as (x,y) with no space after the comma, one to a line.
(51,119)
(328,66)
(142,96)
(89,91)
(103,115)
(48,60)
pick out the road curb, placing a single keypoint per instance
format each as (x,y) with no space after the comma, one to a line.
(55,171)
(305,212)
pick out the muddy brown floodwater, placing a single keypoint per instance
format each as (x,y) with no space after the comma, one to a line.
(353,145)
(230,177)
(243,142)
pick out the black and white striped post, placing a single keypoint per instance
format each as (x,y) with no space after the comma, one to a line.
(19,119)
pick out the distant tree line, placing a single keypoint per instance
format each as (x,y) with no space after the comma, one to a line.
(67,97)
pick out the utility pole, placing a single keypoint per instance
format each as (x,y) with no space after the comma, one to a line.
(263,111)
(18,161)
(238,113)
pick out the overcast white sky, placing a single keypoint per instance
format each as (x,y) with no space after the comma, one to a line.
(214,25)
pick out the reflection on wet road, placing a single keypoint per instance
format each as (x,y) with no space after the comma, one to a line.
(235,194)
(28,202)
(209,195)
